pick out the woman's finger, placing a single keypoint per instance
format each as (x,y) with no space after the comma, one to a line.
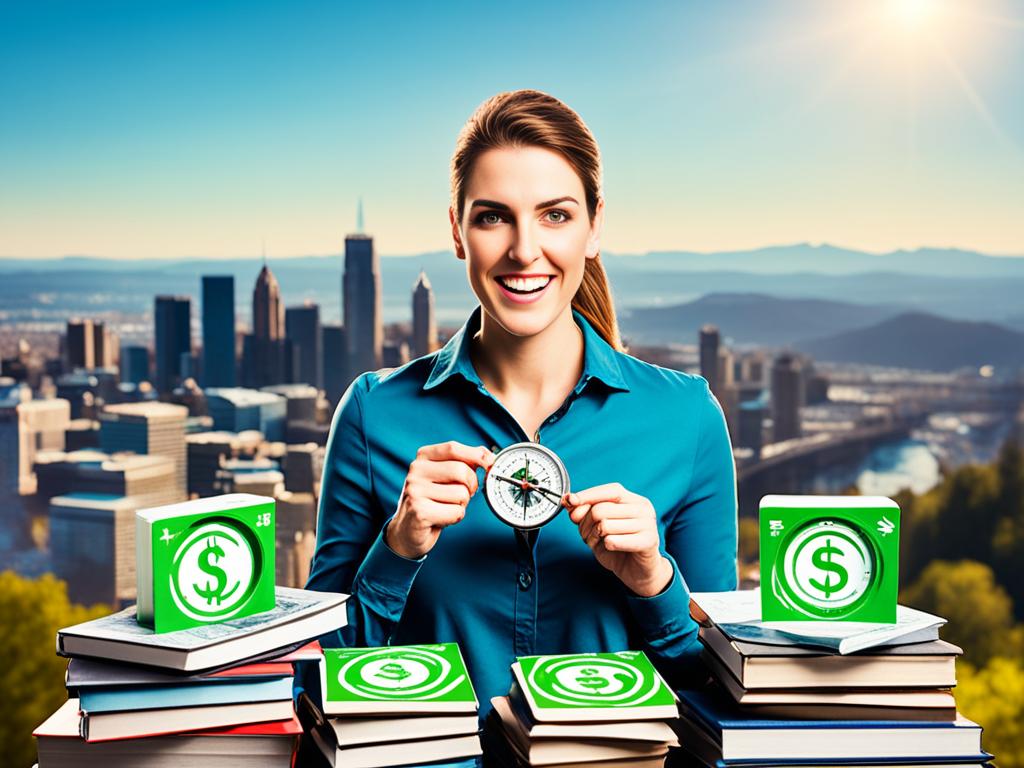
(606,492)
(451,472)
(476,456)
(629,542)
(619,526)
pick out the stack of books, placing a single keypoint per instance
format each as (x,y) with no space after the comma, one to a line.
(828,692)
(209,693)
(396,705)
(577,709)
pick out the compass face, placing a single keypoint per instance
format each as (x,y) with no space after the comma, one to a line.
(525,485)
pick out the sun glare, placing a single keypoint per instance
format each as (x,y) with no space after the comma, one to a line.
(913,14)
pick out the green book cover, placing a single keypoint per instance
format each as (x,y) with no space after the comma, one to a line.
(831,558)
(397,679)
(594,686)
(205,561)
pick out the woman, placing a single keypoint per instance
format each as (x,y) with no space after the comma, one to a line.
(403,526)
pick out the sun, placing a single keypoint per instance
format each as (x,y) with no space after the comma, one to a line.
(914,14)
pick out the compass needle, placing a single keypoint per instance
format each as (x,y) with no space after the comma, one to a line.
(535,472)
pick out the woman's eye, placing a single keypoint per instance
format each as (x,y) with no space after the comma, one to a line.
(488,217)
(563,216)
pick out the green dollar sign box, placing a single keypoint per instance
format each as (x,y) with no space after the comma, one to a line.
(833,558)
(204,561)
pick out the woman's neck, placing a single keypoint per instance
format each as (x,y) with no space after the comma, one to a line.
(545,365)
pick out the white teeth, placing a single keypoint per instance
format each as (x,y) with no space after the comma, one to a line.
(525,284)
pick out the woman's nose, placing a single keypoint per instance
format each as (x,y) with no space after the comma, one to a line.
(525,249)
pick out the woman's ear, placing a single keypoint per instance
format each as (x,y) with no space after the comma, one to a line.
(460,251)
(594,238)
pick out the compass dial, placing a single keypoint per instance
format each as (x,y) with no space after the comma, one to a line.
(525,485)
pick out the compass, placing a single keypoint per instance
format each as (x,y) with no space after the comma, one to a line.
(525,485)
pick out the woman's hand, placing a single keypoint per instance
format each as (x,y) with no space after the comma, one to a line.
(440,482)
(622,530)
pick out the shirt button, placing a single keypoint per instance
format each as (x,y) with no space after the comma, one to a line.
(525,580)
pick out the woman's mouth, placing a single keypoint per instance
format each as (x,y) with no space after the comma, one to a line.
(524,290)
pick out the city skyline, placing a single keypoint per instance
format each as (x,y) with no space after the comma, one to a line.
(879,125)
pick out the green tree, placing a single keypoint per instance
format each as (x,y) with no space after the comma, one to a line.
(31,612)
(979,612)
(993,696)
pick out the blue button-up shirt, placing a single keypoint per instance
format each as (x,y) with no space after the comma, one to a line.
(495,591)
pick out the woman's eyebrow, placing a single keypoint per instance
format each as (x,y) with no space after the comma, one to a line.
(503,207)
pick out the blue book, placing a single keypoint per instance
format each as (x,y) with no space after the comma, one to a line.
(95,701)
(733,737)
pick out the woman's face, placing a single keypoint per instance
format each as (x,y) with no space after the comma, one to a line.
(525,236)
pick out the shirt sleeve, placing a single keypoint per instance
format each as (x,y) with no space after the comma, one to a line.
(700,542)
(351,555)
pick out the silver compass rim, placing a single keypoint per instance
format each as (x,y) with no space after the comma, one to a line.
(562,471)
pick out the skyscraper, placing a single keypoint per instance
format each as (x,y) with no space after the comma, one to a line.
(172,317)
(361,305)
(25,428)
(334,365)
(134,364)
(265,349)
(787,397)
(709,365)
(424,324)
(302,328)
(79,344)
(104,344)
(218,331)
(149,428)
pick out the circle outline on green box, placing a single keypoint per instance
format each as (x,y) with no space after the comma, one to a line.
(787,592)
(546,670)
(435,687)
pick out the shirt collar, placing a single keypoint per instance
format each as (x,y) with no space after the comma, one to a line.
(600,359)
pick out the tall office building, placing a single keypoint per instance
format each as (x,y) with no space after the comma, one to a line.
(361,305)
(709,359)
(302,329)
(134,364)
(27,427)
(787,397)
(235,409)
(218,331)
(172,317)
(79,343)
(150,428)
(150,480)
(104,345)
(334,366)
(424,324)
(265,359)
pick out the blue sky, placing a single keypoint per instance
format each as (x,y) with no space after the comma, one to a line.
(199,129)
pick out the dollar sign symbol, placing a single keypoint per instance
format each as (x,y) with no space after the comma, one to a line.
(822,558)
(591,678)
(208,564)
(393,671)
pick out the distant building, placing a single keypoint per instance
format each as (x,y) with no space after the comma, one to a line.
(752,415)
(235,409)
(78,344)
(362,306)
(709,360)
(218,369)
(104,346)
(265,355)
(301,400)
(394,354)
(92,546)
(25,429)
(424,322)
(787,397)
(151,480)
(303,331)
(134,364)
(172,317)
(153,428)
(334,362)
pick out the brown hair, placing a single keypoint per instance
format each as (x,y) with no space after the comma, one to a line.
(533,118)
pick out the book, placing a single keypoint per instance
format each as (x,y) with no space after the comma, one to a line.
(738,615)
(204,561)
(587,744)
(760,665)
(834,704)
(95,701)
(355,731)
(405,679)
(260,745)
(740,736)
(593,687)
(105,726)
(300,615)
(635,730)
(397,753)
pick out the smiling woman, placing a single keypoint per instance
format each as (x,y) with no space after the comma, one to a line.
(402,527)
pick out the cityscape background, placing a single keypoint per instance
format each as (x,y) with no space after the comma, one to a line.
(815,206)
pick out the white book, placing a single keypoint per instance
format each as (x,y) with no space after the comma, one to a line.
(156,722)
(301,615)
(355,731)
(738,614)
(397,753)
